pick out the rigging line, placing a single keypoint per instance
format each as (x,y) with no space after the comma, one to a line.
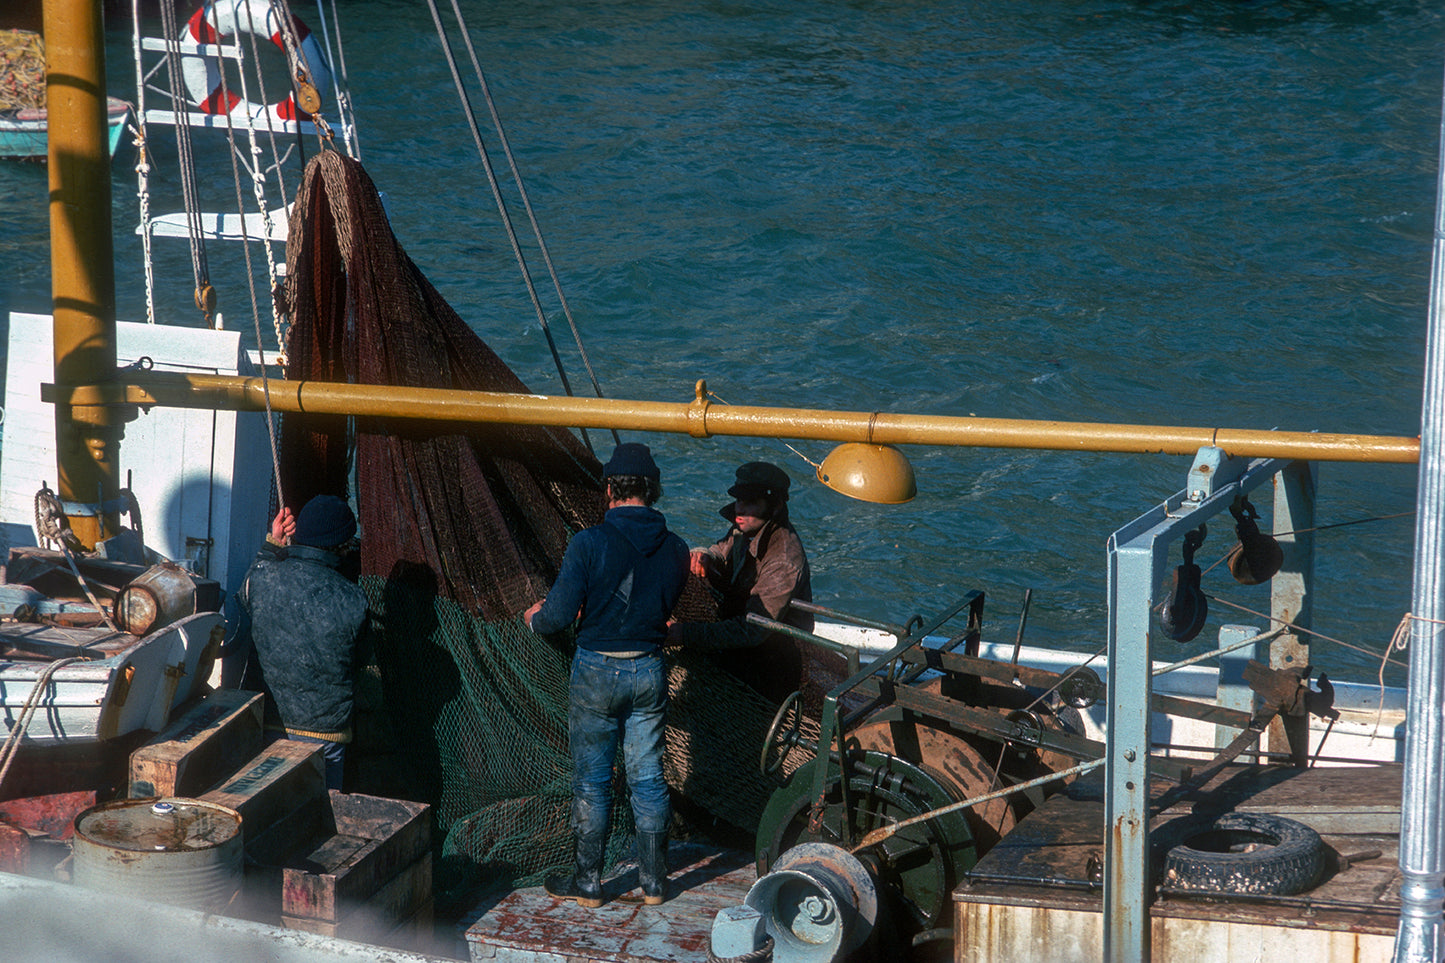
(340,82)
(1304,631)
(257,182)
(286,32)
(240,204)
(1356,521)
(11,747)
(296,55)
(255,307)
(496,188)
(526,198)
(1317,528)
(200,269)
(255,310)
(85,587)
(816,466)
(1224,650)
(501,202)
(1065,677)
(142,165)
(1398,642)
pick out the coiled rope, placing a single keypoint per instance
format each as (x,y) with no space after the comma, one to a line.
(17,731)
(50,528)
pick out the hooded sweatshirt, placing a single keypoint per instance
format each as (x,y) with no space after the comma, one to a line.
(621,579)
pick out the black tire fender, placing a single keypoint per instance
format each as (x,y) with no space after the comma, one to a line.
(1252,853)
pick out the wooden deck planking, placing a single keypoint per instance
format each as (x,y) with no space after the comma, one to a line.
(1355,811)
(529,925)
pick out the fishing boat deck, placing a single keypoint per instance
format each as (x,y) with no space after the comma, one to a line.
(527,924)
(1038,877)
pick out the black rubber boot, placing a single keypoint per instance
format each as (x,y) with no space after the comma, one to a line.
(584,885)
(584,892)
(652,867)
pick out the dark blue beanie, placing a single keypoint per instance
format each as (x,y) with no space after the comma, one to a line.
(631,458)
(325,522)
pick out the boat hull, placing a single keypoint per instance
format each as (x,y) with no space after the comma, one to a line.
(135,686)
(23,132)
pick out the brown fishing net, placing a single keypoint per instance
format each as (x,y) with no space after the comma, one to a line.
(463,527)
(22,70)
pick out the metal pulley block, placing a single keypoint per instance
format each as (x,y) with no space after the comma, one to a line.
(1081,688)
(1184,609)
(1256,557)
(307,97)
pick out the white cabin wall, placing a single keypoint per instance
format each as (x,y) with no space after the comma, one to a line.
(196,474)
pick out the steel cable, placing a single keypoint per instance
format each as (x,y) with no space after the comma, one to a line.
(501,202)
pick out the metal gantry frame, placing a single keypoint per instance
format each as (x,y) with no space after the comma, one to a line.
(1138,561)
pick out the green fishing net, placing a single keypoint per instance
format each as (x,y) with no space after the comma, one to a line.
(464,526)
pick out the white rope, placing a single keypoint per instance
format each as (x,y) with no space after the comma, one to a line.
(1203,656)
(17,731)
(1399,642)
(143,167)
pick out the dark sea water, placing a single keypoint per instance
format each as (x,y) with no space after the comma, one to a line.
(1174,213)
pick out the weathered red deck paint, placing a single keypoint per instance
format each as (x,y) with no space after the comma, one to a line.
(53,814)
(529,924)
(14,850)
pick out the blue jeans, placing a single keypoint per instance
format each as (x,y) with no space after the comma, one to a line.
(612,700)
(334,754)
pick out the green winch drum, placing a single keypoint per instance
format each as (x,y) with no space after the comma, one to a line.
(184,852)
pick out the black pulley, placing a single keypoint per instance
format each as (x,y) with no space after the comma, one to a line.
(1182,613)
(1256,557)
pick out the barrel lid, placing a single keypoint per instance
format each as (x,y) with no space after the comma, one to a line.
(158,825)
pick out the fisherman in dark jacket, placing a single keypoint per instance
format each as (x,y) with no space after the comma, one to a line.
(619,580)
(758,567)
(308,623)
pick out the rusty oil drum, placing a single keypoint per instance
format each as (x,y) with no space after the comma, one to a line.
(184,852)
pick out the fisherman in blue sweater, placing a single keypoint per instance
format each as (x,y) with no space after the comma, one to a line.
(619,580)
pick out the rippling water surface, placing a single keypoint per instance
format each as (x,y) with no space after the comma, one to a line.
(1175,213)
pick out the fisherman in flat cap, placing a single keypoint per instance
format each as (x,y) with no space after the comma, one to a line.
(759,566)
(619,581)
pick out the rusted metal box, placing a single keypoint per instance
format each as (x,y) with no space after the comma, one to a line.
(35,831)
(205,745)
(370,878)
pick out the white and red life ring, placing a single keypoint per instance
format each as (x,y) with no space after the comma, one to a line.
(225,20)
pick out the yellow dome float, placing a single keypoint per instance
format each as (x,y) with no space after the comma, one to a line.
(870,473)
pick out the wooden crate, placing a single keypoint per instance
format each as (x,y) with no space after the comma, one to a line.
(372,875)
(205,745)
(399,910)
(281,796)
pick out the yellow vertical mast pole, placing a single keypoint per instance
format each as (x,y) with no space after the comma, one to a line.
(82,263)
